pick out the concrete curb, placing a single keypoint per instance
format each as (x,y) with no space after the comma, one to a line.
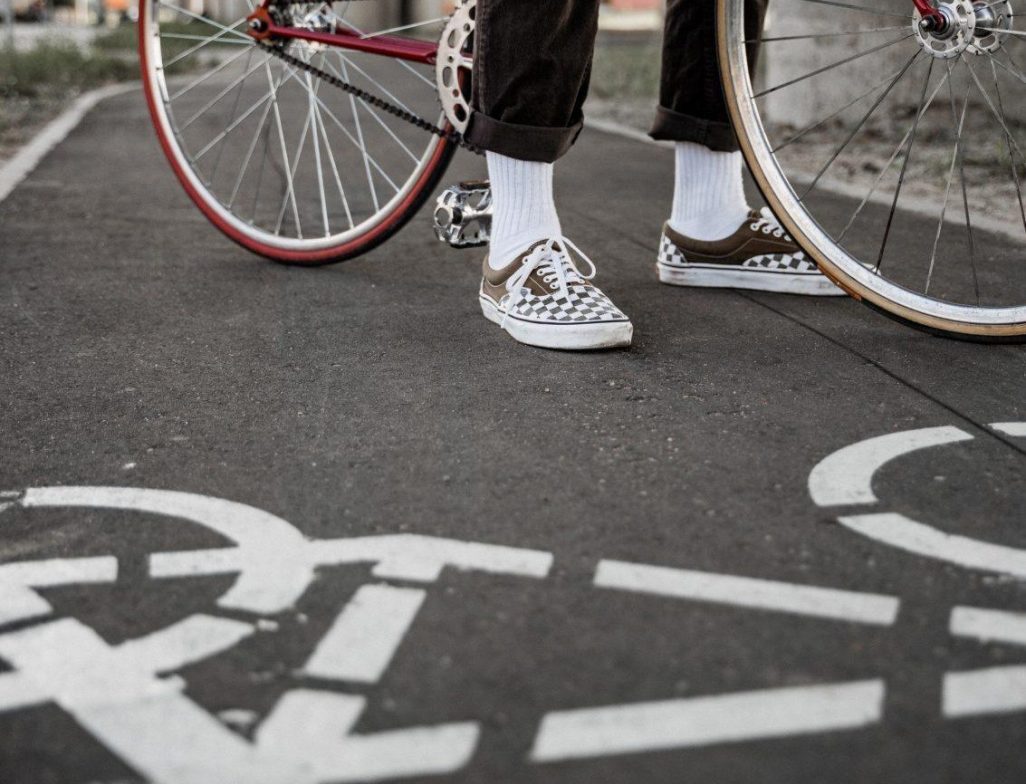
(28,157)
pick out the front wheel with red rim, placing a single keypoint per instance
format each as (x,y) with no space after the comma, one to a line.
(286,165)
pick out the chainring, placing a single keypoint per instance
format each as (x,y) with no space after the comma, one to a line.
(455,64)
(453,134)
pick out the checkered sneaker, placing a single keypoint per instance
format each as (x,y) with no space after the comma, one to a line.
(669,253)
(582,303)
(760,255)
(790,262)
(542,298)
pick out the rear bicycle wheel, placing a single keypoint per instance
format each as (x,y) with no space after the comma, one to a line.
(288,166)
(894,155)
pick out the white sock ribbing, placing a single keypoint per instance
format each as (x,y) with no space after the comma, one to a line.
(523,209)
(709,195)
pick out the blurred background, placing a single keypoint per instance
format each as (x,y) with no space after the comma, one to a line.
(52,50)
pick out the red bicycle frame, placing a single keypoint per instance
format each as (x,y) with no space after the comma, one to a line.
(263,27)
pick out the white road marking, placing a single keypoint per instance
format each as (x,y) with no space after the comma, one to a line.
(113,692)
(983,692)
(899,531)
(749,592)
(1017,429)
(988,625)
(366,634)
(269,548)
(704,721)
(846,476)
(276,562)
(18,602)
(310,730)
(28,157)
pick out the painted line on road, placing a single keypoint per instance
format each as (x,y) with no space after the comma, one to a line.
(365,636)
(18,600)
(1016,429)
(704,721)
(749,592)
(846,476)
(901,532)
(988,625)
(983,692)
(28,157)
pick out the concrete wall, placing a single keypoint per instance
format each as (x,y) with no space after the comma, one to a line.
(821,95)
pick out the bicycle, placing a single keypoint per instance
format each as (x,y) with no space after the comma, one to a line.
(307,175)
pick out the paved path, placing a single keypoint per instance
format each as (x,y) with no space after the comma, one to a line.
(675,605)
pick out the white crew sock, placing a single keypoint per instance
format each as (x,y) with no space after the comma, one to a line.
(523,209)
(709,195)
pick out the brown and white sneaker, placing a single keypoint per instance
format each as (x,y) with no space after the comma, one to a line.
(760,255)
(543,299)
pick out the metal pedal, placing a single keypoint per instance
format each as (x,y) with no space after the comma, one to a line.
(463,214)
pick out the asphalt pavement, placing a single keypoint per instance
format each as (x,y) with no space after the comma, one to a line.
(659,615)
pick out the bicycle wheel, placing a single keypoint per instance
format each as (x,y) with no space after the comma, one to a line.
(283,163)
(891,146)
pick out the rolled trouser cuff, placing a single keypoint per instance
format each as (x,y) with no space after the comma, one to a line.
(523,142)
(676,127)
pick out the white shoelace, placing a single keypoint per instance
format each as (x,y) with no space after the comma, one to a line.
(554,266)
(767,224)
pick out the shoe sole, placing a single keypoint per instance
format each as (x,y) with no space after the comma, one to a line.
(563,337)
(810,284)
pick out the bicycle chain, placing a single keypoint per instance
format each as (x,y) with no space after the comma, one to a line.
(373,100)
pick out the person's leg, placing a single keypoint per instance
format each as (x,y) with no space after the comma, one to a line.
(532,64)
(709,201)
(713,238)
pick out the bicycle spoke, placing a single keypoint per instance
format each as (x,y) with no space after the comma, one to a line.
(993,109)
(864,9)
(825,35)
(217,98)
(362,145)
(205,20)
(1008,143)
(829,117)
(377,85)
(1013,33)
(405,27)
(887,167)
(207,75)
(290,192)
(334,165)
(960,125)
(830,67)
(965,203)
(378,120)
(317,158)
(252,147)
(1013,71)
(235,124)
(861,124)
(231,119)
(356,142)
(219,38)
(401,63)
(904,166)
(304,134)
(345,131)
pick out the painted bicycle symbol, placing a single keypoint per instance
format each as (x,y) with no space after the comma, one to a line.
(129,696)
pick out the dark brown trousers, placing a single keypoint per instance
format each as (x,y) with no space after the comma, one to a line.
(533,65)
